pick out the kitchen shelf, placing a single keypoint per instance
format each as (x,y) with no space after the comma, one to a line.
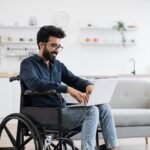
(91,34)
(20,27)
(103,43)
(129,27)
(17,42)
(16,55)
(96,28)
(20,52)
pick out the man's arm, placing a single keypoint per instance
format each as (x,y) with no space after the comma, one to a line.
(74,81)
(29,76)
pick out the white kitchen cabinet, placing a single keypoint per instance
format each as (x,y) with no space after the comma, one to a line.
(5,97)
(16,96)
(9,97)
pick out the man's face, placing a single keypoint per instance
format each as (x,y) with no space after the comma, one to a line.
(51,49)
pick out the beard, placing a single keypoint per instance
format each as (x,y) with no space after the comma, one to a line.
(49,56)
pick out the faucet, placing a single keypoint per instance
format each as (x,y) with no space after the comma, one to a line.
(133,65)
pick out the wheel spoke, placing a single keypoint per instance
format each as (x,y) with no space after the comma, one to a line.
(26,134)
(13,141)
(36,148)
(25,142)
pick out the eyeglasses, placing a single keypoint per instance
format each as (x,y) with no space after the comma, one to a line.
(54,47)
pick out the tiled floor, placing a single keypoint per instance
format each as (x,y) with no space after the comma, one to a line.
(125,144)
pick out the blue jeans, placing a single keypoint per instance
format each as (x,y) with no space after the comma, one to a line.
(107,125)
(89,117)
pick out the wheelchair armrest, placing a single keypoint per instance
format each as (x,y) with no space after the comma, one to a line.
(48,92)
(14,78)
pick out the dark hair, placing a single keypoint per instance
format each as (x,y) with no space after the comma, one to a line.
(46,31)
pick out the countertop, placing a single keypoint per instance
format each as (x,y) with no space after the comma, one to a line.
(117,76)
(7,74)
(4,74)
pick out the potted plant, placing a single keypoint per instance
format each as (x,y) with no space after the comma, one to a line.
(120,26)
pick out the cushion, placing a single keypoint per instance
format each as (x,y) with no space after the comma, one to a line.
(131,117)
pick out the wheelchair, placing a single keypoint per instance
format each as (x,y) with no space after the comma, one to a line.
(36,128)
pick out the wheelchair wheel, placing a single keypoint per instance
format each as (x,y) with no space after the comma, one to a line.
(17,132)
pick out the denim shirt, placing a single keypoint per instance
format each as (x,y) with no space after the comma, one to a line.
(36,76)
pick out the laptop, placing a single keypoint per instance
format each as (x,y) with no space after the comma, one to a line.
(102,92)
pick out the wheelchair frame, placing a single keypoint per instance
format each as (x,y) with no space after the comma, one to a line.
(33,128)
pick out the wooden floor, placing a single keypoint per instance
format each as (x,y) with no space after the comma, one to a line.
(124,144)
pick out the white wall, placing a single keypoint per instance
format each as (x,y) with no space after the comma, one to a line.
(93,60)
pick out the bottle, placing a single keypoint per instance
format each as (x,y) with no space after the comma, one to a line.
(9,38)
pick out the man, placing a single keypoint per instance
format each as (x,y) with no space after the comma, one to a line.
(43,72)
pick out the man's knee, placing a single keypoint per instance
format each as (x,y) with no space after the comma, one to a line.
(94,111)
(104,108)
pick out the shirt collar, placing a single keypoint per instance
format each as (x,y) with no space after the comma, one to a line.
(38,58)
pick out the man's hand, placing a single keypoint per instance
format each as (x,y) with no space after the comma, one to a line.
(79,96)
(89,89)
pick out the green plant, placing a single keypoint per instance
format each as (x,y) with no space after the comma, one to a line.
(120,27)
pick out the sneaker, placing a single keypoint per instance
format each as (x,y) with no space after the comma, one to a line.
(101,147)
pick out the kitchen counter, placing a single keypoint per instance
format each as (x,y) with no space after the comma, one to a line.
(117,76)
(7,74)
(10,74)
